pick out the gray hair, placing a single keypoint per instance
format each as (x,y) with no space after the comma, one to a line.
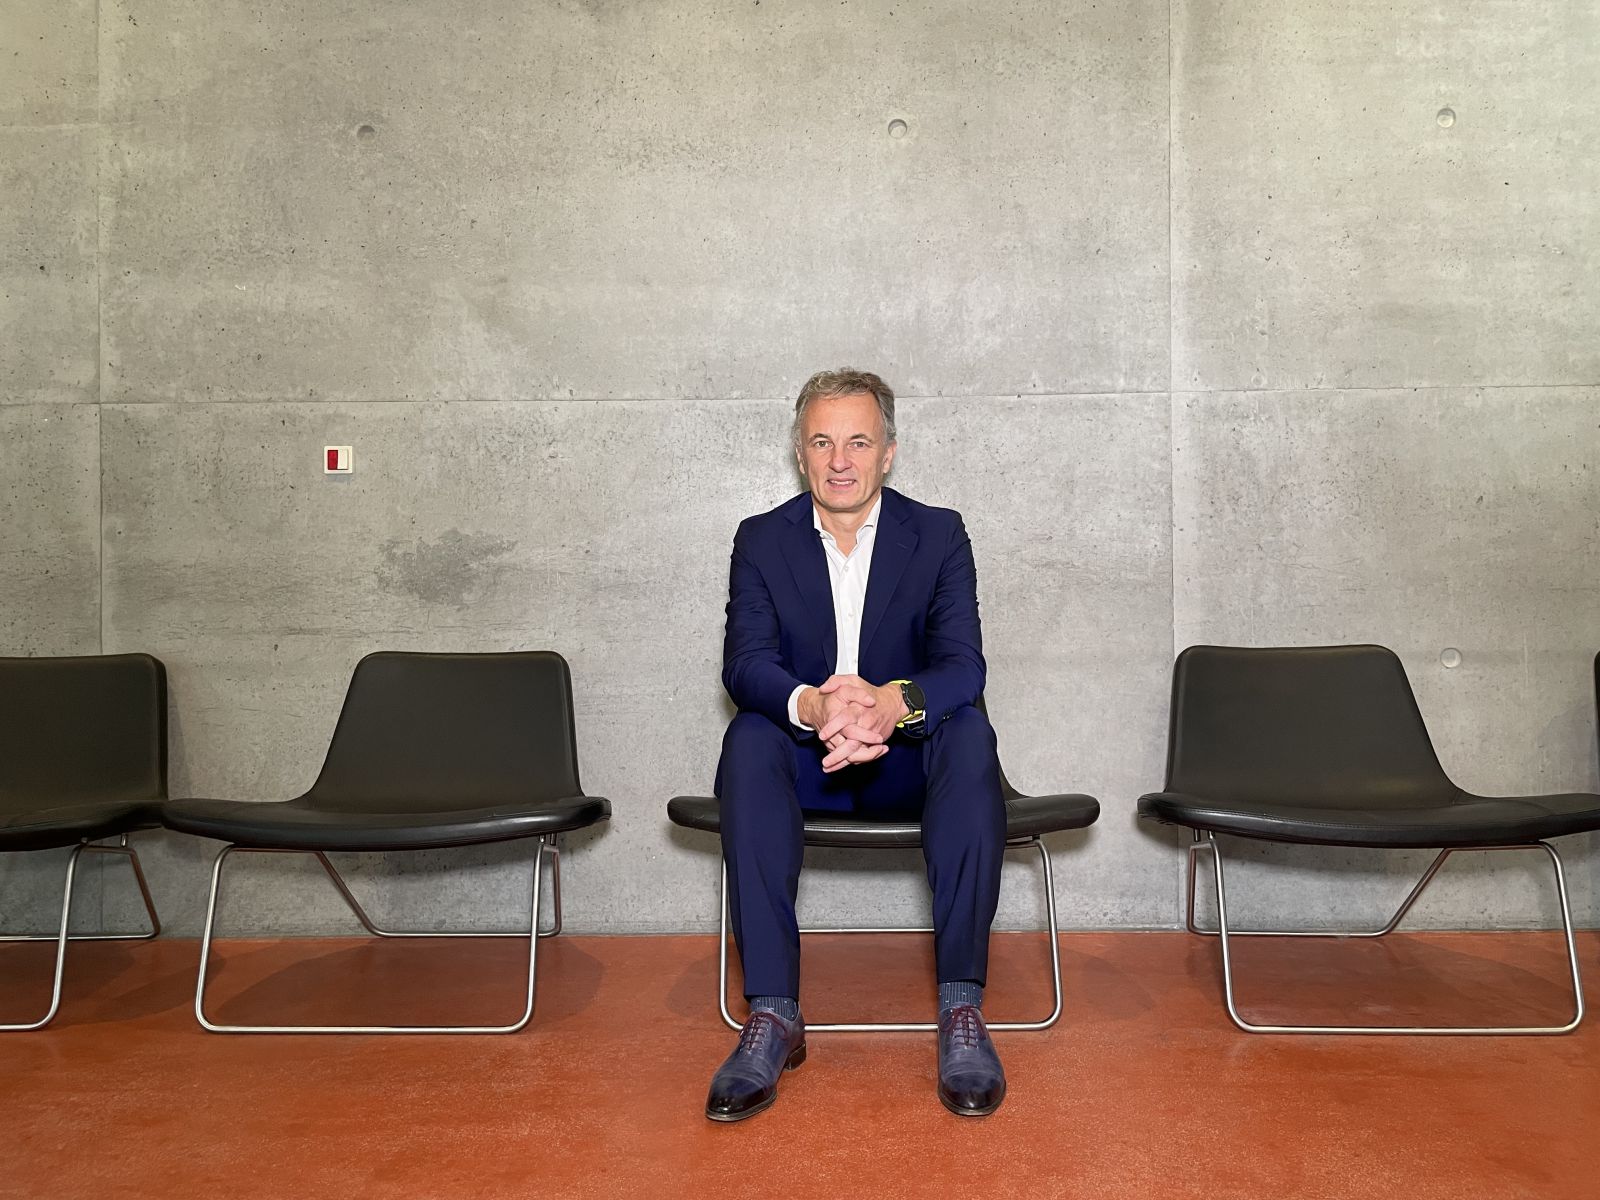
(846,381)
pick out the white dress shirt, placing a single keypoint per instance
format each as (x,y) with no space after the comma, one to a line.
(847,579)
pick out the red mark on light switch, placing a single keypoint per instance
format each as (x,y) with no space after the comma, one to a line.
(333,458)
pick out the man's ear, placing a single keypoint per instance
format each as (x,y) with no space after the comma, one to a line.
(888,456)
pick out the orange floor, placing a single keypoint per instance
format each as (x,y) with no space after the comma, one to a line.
(1143,1090)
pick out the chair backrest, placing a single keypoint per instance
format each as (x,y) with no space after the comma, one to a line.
(80,729)
(1006,789)
(452,731)
(1334,726)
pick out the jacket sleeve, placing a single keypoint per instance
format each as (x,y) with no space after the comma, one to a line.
(955,673)
(752,664)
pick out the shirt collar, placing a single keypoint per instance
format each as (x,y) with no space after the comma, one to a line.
(870,523)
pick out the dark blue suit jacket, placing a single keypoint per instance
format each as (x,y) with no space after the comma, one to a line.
(920,619)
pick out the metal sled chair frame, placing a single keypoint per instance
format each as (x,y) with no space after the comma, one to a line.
(61,937)
(546,845)
(1208,842)
(910,1026)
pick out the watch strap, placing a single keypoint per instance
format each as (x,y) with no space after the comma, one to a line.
(915,718)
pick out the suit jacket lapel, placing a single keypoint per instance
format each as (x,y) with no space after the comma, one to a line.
(808,563)
(891,554)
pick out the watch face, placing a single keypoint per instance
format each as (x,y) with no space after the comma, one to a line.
(913,696)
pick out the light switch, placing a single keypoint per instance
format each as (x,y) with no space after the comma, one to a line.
(337,460)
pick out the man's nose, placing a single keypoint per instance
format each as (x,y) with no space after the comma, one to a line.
(838,460)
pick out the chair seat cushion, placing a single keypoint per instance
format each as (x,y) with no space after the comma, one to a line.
(68,824)
(1026,817)
(1466,820)
(301,825)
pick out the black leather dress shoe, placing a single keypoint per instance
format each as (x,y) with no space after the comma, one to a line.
(971,1080)
(747,1081)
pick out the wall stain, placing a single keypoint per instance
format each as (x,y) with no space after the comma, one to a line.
(446,571)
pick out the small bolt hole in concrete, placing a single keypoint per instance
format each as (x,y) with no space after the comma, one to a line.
(366,133)
(1446,118)
(898,128)
(1450,657)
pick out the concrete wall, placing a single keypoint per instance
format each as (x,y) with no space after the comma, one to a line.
(1209,317)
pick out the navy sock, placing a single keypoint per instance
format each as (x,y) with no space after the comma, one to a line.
(962,991)
(786,1007)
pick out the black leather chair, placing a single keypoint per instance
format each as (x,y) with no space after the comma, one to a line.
(431,750)
(1028,819)
(83,757)
(1326,746)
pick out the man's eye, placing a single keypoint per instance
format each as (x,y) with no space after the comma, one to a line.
(858,445)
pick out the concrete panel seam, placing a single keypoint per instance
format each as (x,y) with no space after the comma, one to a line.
(1172,401)
(329,401)
(1398,387)
(1420,389)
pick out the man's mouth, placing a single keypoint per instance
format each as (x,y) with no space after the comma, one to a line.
(841,483)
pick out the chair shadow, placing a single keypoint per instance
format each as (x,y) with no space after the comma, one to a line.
(391,982)
(1098,990)
(1486,979)
(693,991)
(890,977)
(89,994)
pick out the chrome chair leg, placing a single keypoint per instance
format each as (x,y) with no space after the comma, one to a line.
(532,934)
(1198,844)
(61,937)
(373,928)
(908,1026)
(1225,934)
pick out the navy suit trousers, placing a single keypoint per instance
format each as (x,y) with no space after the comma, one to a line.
(767,782)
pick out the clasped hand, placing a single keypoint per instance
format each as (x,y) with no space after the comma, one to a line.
(853,718)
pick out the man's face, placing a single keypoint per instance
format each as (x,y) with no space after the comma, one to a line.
(843,454)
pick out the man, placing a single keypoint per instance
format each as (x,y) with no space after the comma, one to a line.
(854,655)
